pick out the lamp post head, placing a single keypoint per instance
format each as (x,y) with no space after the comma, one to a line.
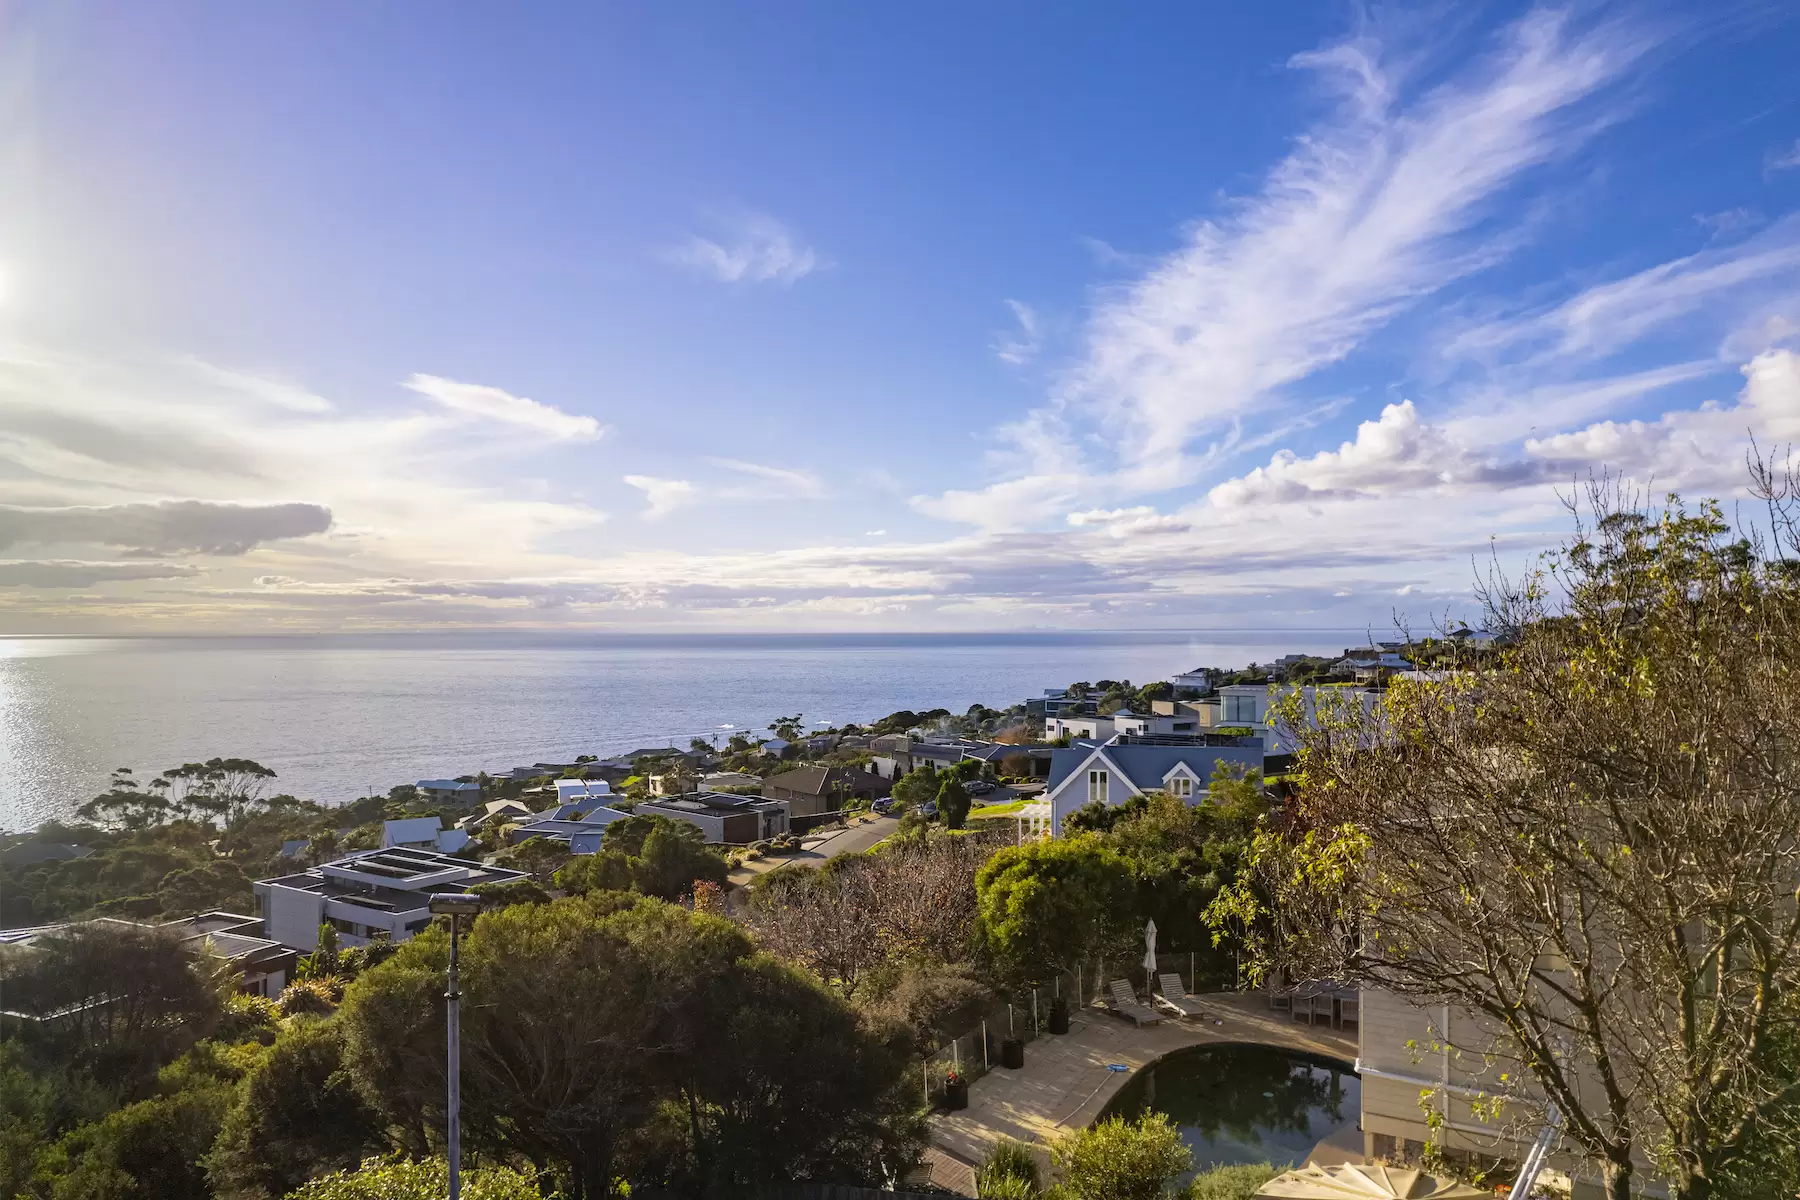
(457,904)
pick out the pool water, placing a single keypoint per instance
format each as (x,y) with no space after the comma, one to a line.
(1246,1104)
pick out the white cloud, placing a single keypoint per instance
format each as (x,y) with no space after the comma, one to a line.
(404,488)
(1400,455)
(1701,448)
(1782,158)
(1396,453)
(757,249)
(664,496)
(1021,344)
(1128,522)
(494,404)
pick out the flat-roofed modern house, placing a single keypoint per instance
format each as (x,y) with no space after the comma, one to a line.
(725,819)
(1094,728)
(449,791)
(365,895)
(1124,766)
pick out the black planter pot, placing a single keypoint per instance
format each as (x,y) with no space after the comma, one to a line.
(1012,1053)
(1059,1016)
(956,1096)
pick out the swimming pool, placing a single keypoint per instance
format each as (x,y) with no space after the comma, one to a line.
(1246,1104)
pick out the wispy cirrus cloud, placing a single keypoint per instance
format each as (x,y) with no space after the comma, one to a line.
(761,482)
(1782,158)
(494,404)
(1387,200)
(751,248)
(1022,343)
(770,482)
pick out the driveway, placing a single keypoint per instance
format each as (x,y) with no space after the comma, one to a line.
(858,837)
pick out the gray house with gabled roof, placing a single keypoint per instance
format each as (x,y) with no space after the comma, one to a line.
(1115,770)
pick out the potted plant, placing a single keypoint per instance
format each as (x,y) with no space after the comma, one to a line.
(956,1090)
(1059,1015)
(1012,1053)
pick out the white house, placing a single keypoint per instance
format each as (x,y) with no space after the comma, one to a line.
(1098,728)
(1253,704)
(1114,771)
(569,791)
(364,895)
(1200,679)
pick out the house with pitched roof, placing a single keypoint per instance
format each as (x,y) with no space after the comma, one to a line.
(1126,765)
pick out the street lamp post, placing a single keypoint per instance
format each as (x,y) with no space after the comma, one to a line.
(455,905)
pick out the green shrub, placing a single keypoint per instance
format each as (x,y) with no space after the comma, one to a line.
(422,1179)
(1122,1160)
(1006,1187)
(1011,1171)
(1238,1182)
(316,997)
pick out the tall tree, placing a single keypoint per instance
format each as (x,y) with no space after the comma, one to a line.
(296,1116)
(1592,843)
(1045,906)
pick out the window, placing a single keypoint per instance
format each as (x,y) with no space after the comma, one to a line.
(1181,786)
(1097,786)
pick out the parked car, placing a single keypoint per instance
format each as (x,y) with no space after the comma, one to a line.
(928,809)
(980,787)
(884,806)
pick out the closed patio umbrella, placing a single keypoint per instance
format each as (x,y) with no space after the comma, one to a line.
(1149,957)
(1353,1181)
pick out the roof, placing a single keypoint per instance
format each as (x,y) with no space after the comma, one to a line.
(447,785)
(1147,763)
(410,831)
(29,853)
(579,789)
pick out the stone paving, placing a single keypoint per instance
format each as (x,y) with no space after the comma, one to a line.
(1066,1081)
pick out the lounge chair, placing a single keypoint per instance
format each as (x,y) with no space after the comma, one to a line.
(1176,997)
(1126,1005)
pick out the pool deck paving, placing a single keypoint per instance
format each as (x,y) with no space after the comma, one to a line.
(1067,1080)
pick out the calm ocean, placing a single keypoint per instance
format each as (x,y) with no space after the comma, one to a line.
(335,716)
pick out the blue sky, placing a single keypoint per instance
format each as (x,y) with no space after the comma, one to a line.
(830,316)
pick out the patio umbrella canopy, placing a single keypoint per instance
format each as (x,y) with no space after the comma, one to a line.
(1356,1182)
(1149,953)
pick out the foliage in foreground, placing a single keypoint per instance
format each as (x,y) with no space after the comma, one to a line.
(1116,1159)
(1240,1181)
(1009,1172)
(608,1036)
(418,1179)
